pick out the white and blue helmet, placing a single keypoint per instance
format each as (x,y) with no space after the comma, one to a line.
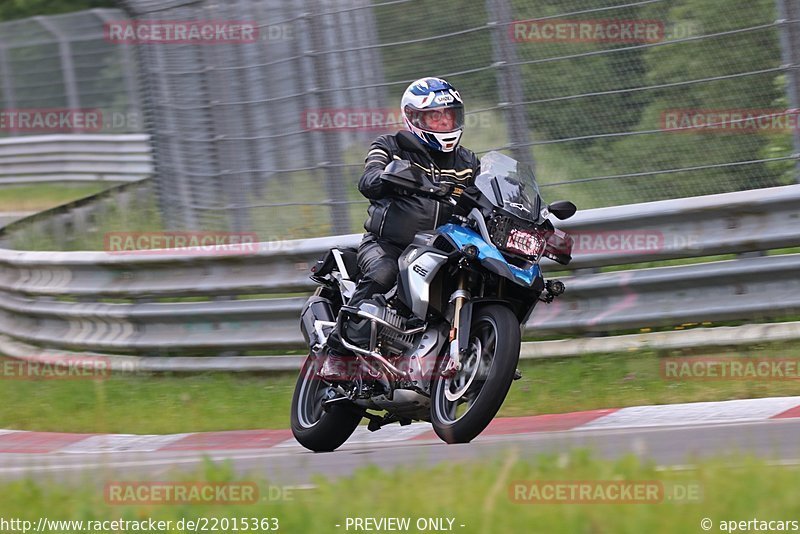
(434,112)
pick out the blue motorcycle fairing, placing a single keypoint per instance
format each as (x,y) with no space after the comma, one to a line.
(489,256)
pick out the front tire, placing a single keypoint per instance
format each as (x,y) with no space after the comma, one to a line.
(314,428)
(479,388)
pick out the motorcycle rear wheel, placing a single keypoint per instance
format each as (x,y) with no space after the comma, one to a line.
(313,427)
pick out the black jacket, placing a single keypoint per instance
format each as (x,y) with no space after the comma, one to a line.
(397,216)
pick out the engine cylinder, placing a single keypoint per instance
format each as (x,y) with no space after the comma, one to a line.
(358,330)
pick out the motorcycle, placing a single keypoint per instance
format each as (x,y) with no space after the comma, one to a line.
(443,345)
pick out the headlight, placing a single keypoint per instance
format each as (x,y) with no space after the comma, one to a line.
(509,236)
(524,242)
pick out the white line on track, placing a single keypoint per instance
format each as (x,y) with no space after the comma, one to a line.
(287,451)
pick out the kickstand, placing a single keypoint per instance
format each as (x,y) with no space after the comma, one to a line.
(376,422)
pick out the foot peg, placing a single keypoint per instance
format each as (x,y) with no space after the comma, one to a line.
(517,374)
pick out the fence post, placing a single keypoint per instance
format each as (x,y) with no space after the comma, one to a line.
(174,190)
(130,74)
(789,15)
(330,170)
(9,100)
(229,121)
(509,80)
(67,65)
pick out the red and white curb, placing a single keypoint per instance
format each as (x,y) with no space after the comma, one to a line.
(696,413)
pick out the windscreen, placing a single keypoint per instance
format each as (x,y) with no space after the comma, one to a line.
(510,185)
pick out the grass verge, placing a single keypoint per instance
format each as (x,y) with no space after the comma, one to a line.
(143,404)
(477,497)
(218,401)
(38,197)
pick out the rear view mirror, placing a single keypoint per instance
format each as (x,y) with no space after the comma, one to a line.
(562,209)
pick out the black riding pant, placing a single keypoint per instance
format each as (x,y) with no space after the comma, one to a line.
(377,265)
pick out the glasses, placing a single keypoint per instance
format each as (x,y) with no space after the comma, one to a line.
(440,120)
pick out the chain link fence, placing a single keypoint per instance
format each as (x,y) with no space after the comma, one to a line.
(613,101)
(64,62)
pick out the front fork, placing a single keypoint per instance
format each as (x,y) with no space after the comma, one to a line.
(462,318)
(460,326)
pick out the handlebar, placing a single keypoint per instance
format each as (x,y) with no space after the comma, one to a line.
(406,176)
(413,185)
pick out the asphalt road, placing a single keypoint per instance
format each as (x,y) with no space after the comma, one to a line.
(776,440)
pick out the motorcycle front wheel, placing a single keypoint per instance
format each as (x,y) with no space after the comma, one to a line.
(314,428)
(463,405)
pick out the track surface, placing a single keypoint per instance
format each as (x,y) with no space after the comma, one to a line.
(669,435)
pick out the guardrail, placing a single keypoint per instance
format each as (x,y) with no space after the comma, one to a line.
(172,303)
(75,157)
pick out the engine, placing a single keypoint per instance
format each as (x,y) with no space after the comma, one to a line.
(359,329)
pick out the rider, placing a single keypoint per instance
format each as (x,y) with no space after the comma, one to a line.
(433,111)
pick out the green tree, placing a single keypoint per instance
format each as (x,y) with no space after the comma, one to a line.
(567,68)
(711,57)
(422,49)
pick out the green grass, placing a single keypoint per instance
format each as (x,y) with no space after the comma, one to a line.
(147,404)
(141,216)
(478,496)
(38,197)
(633,379)
(157,404)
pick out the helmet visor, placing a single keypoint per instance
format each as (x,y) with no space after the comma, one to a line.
(438,120)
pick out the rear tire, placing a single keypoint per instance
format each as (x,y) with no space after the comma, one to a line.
(314,428)
(491,361)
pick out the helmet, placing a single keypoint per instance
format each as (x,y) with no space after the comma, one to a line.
(434,112)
